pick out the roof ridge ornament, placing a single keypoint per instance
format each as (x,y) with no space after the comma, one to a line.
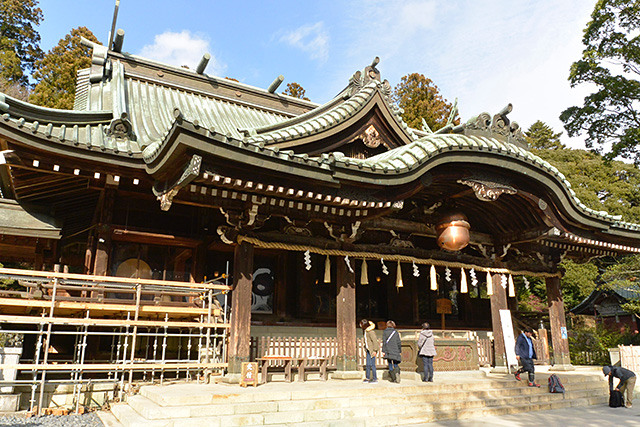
(499,127)
(370,74)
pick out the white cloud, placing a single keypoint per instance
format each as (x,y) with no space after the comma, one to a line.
(183,48)
(311,39)
(486,52)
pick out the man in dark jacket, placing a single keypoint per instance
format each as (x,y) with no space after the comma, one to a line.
(392,350)
(627,381)
(525,353)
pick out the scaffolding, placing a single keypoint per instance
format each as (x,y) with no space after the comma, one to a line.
(138,330)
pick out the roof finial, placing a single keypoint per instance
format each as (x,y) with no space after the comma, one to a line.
(203,63)
(113,25)
(274,85)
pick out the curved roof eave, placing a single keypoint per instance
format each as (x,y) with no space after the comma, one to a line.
(408,163)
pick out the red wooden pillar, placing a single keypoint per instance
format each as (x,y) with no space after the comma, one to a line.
(346,317)
(240,328)
(559,339)
(498,302)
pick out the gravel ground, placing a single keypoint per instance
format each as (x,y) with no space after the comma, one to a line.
(86,420)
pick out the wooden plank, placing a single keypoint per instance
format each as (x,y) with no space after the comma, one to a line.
(106,322)
(111,366)
(71,305)
(110,279)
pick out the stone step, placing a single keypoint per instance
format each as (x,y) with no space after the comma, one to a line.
(176,395)
(273,411)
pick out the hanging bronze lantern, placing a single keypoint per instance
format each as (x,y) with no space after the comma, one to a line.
(453,231)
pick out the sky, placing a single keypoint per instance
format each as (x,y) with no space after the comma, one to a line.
(485,53)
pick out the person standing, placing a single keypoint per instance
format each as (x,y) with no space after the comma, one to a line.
(627,381)
(427,350)
(392,349)
(525,353)
(372,347)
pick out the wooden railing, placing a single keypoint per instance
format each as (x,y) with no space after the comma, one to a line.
(308,347)
(485,351)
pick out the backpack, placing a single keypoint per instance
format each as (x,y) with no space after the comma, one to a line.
(615,399)
(555,386)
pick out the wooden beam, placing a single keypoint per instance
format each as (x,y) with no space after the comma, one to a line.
(104,307)
(109,279)
(110,366)
(75,321)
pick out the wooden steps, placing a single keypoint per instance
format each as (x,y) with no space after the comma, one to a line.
(350,403)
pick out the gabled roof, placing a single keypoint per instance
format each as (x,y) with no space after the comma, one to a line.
(16,221)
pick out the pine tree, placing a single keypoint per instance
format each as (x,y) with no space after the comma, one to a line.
(420,98)
(19,40)
(56,72)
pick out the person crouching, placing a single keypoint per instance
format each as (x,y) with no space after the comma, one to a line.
(627,381)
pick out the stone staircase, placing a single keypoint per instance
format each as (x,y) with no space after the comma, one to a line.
(350,403)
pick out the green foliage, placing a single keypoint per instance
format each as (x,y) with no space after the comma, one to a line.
(532,295)
(10,339)
(610,62)
(541,136)
(601,185)
(296,91)
(578,282)
(420,99)
(56,72)
(625,275)
(590,345)
(19,41)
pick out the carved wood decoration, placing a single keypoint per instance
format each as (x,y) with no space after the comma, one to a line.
(487,191)
(189,174)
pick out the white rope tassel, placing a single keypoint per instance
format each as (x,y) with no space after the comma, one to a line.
(512,288)
(489,284)
(463,282)
(434,278)
(364,274)
(327,270)
(399,283)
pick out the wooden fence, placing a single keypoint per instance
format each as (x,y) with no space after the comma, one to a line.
(630,357)
(327,347)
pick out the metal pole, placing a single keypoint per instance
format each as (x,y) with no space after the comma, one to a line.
(164,346)
(82,353)
(34,385)
(135,331)
(207,359)
(56,269)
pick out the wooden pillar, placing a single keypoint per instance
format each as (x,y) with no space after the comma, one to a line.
(559,341)
(346,317)
(240,330)
(103,232)
(498,302)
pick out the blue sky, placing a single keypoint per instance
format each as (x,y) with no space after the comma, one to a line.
(485,53)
